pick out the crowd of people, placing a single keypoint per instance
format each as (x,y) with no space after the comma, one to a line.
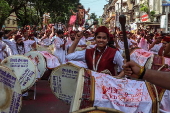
(100,50)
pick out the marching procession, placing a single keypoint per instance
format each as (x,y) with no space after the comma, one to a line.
(91,68)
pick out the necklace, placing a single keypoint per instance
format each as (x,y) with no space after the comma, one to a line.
(94,55)
(20,49)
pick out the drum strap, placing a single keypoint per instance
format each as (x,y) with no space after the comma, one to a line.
(95,68)
(152,93)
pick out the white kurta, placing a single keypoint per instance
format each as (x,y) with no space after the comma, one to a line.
(121,44)
(83,40)
(80,56)
(45,42)
(13,47)
(155,49)
(2,48)
(58,51)
(143,44)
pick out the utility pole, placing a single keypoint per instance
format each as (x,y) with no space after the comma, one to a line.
(167,12)
(121,4)
(117,16)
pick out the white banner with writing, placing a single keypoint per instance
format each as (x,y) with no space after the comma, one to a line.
(121,94)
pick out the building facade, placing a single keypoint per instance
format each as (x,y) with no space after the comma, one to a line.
(11,22)
(144,13)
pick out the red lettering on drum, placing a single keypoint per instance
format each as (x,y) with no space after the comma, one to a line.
(104,89)
(118,104)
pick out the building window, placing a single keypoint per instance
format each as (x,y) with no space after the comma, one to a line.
(8,21)
(164,9)
(13,22)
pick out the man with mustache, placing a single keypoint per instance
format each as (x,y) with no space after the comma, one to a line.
(19,46)
(60,46)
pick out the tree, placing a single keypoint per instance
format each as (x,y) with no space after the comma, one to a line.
(33,14)
(94,17)
(4,12)
(145,8)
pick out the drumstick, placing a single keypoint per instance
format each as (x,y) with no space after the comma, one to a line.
(94,23)
(122,20)
(165,65)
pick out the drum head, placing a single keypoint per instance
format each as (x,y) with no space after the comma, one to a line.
(51,48)
(41,48)
(10,92)
(85,91)
(97,110)
(63,81)
(23,68)
(38,60)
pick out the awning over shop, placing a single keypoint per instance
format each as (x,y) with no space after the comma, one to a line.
(149,23)
(156,24)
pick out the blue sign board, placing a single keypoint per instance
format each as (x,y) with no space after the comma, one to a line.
(165,2)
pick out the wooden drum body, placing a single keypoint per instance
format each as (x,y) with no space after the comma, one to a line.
(10,92)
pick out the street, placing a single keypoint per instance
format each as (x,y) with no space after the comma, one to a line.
(45,101)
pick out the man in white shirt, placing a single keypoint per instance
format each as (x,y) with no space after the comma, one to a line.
(2,48)
(121,42)
(20,47)
(156,45)
(46,39)
(59,47)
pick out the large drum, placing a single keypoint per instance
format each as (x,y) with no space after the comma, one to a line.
(39,61)
(10,92)
(69,82)
(23,68)
(150,60)
(42,48)
(84,95)
(51,48)
(43,61)
(123,94)
(63,81)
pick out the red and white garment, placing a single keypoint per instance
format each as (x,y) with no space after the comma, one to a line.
(52,61)
(143,44)
(58,50)
(121,94)
(121,44)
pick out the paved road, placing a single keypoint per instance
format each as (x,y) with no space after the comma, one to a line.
(45,101)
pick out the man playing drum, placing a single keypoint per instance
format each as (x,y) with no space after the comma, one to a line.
(99,58)
(59,46)
(159,78)
(156,45)
(20,47)
(2,48)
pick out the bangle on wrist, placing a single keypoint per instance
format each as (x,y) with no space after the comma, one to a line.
(141,73)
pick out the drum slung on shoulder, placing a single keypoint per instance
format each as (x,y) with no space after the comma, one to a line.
(10,94)
(63,81)
(23,68)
